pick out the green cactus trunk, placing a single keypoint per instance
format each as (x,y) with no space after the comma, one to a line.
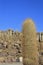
(29,45)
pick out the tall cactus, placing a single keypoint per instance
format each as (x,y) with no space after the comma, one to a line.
(29,45)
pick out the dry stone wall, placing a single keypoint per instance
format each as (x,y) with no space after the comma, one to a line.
(40,47)
(11,46)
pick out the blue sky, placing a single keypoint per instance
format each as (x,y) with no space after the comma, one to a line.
(14,12)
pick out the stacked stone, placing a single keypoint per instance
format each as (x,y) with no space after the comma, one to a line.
(10,46)
(41,48)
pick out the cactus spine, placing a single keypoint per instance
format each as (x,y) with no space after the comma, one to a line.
(29,45)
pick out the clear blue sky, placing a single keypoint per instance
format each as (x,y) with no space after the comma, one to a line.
(14,12)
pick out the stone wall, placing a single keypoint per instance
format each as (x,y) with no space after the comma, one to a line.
(40,47)
(11,46)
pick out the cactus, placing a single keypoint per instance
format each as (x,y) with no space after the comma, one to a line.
(29,45)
